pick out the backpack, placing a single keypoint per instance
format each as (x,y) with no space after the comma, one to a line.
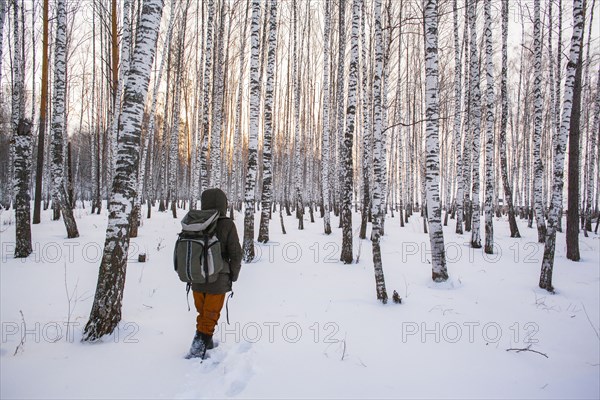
(197,255)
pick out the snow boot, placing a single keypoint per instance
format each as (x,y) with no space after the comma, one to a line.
(208,341)
(198,347)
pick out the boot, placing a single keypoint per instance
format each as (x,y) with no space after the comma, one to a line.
(198,347)
(208,341)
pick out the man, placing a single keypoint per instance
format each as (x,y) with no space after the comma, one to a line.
(209,297)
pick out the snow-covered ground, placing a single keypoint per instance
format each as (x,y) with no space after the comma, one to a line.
(303,325)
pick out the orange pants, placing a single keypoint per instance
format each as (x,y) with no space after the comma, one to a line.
(209,310)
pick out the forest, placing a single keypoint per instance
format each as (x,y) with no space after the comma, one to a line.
(457,112)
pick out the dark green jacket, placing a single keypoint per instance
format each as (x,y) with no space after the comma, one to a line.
(215,199)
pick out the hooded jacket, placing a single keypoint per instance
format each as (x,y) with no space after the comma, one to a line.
(215,199)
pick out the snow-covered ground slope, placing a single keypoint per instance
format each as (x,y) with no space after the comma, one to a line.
(303,325)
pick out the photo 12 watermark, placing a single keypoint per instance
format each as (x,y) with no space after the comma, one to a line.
(61,331)
(278,332)
(469,332)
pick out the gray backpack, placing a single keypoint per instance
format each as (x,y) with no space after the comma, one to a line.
(197,256)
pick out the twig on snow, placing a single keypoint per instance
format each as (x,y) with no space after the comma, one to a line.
(528,348)
(20,346)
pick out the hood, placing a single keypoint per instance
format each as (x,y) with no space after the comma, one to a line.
(214,199)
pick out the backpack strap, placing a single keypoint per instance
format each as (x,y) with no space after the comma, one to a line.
(188,286)
(227,305)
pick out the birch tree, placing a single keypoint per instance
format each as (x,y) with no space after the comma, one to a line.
(217,105)
(508,195)
(378,156)
(174,145)
(574,137)
(439,272)
(366,132)
(21,130)
(22,172)
(489,131)
(457,122)
(267,195)
(119,72)
(297,150)
(248,245)
(325,148)
(347,165)
(2,21)
(560,146)
(208,50)
(475,123)
(106,309)
(238,157)
(538,167)
(149,140)
(59,194)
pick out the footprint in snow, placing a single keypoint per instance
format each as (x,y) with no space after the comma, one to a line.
(244,347)
(237,379)
(226,373)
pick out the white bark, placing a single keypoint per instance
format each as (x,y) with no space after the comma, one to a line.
(475,123)
(248,245)
(347,164)
(208,50)
(123,70)
(457,123)
(325,148)
(217,105)
(59,193)
(2,20)
(106,310)
(267,189)
(538,168)
(489,131)
(432,148)
(378,157)
(559,149)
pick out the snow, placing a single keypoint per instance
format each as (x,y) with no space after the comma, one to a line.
(304,325)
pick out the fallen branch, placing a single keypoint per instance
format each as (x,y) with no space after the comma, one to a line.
(528,349)
(21,346)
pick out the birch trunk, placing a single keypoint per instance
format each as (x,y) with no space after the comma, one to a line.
(347,165)
(217,106)
(439,272)
(508,196)
(297,150)
(537,134)
(475,123)
(3,11)
(238,157)
(377,157)
(106,310)
(22,171)
(208,50)
(174,145)
(457,123)
(366,130)
(572,234)
(59,194)
(560,146)
(489,132)
(248,245)
(325,148)
(267,195)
